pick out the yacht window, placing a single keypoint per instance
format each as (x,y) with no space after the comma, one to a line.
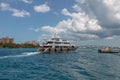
(47,46)
(49,42)
(56,46)
(57,39)
(66,43)
(57,42)
(65,46)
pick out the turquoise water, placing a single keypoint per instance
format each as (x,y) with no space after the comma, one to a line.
(83,64)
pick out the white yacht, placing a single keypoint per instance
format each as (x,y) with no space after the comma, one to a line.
(56,44)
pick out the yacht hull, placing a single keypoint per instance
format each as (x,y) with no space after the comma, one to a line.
(109,51)
(56,49)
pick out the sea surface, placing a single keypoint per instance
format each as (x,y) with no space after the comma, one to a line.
(82,64)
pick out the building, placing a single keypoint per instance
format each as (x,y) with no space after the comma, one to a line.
(7,40)
(32,43)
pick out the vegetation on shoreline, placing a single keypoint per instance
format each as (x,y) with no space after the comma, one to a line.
(14,45)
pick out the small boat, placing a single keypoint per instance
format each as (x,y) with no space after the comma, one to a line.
(56,44)
(108,50)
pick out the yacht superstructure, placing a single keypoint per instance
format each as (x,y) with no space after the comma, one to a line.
(56,44)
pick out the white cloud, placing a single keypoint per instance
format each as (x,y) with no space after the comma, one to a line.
(87,36)
(35,29)
(80,22)
(15,12)
(19,13)
(111,37)
(65,12)
(28,1)
(107,13)
(4,6)
(78,26)
(42,8)
(52,29)
(114,8)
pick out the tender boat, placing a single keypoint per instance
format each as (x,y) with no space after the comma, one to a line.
(56,44)
(108,50)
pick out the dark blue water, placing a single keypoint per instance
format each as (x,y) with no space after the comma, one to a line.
(84,64)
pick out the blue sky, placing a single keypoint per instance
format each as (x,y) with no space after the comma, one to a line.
(19,27)
(83,22)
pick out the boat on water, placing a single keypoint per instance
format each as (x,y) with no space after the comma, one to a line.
(108,50)
(57,44)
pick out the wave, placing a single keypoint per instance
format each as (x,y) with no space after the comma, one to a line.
(25,54)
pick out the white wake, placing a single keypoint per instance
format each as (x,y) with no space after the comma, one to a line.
(25,54)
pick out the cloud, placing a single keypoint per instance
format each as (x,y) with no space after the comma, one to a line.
(51,29)
(42,8)
(82,22)
(114,6)
(111,37)
(90,20)
(15,12)
(107,13)
(4,6)
(78,24)
(19,13)
(28,1)
(35,29)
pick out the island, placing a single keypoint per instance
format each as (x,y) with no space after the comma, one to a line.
(7,42)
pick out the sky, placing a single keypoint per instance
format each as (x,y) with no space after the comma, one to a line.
(83,22)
